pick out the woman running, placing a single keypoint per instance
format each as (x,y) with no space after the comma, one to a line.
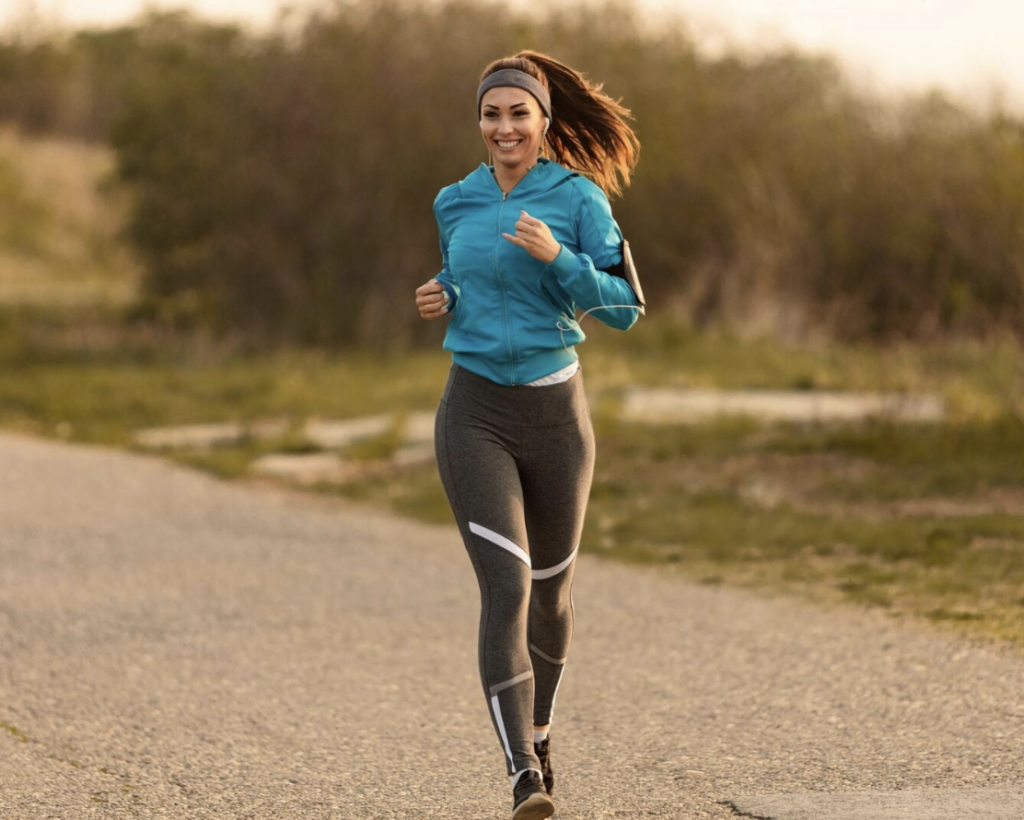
(525,242)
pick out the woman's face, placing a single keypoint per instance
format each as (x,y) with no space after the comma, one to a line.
(512,125)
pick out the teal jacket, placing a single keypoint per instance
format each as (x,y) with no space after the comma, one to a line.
(506,306)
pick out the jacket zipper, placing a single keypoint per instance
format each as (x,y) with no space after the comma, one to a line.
(501,282)
(506,323)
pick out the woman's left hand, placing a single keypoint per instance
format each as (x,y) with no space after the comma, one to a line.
(535,238)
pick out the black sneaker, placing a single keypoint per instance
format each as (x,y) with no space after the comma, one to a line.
(529,799)
(544,755)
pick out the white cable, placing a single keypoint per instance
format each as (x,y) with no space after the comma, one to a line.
(561,329)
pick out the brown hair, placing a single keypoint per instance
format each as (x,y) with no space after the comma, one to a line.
(588,131)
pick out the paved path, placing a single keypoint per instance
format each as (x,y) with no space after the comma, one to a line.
(176,647)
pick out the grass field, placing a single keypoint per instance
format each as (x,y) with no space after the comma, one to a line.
(924,521)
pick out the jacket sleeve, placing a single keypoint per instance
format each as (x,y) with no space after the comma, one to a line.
(446,277)
(584,276)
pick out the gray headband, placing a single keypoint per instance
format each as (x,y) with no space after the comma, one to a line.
(512,77)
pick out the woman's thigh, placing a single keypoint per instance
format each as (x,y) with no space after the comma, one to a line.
(481,477)
(556,477)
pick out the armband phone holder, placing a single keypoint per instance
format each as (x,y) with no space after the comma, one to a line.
(627,271)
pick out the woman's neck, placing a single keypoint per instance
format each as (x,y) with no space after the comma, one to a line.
(508,178)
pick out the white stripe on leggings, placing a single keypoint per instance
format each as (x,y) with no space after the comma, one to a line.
(554,695)
(551,572)
(501,541)
(501,731)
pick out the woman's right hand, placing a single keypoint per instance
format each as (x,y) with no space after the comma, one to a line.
(432,300)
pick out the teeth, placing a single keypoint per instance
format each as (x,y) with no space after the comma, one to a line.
(512,144)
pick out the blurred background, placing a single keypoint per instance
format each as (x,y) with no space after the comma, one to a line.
(219,211)
(273,162)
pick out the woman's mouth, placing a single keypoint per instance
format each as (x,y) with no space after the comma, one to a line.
(508,145)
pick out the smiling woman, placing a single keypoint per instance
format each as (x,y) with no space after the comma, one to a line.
(515,446)
(513,127)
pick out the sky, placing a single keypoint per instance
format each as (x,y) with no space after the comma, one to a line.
(972,48)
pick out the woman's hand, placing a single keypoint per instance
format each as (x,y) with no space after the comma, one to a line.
(535,238)
(432,300)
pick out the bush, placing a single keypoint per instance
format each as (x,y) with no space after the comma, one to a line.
(282,181)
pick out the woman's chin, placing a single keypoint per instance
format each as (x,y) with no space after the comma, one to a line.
(512,160)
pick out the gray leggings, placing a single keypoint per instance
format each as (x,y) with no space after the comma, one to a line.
(517,464)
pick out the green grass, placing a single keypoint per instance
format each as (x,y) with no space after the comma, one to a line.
(980,381)
(104,400)
(923,520)
(914,461)
(810,509)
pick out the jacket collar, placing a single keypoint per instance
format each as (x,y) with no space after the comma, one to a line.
(542,176)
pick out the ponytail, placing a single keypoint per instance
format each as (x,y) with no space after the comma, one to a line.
(588,132)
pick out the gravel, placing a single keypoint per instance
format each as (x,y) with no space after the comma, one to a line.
(172,646)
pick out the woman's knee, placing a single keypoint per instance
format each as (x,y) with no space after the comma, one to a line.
(549,602)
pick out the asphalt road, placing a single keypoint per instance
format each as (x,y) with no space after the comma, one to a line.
(176,647)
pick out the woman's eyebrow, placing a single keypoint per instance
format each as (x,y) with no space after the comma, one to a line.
(497,108)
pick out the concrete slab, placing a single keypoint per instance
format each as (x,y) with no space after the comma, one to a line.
(666,405)
(191,436)
(205,436)
(931,804)
(419,428)
(334,435)
(269,428)
(305,468)
(413,455)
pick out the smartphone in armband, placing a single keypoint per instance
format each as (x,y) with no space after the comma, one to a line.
(630,275)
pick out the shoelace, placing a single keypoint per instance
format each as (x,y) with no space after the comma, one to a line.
(530,782)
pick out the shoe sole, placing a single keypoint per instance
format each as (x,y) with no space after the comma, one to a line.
(535,807)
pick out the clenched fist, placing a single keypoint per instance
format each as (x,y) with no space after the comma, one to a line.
(432,300)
